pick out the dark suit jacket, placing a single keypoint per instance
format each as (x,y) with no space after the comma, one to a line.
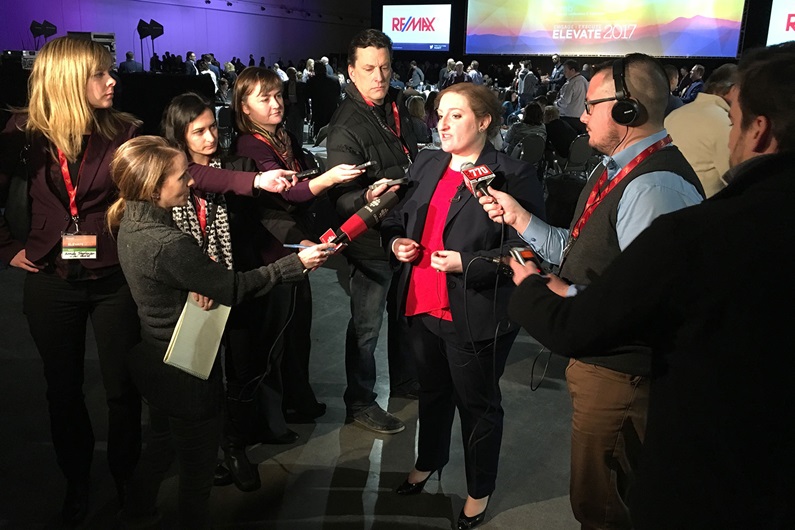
(130,67)
(469,231)
(50,213)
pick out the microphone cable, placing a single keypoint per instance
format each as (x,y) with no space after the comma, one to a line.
(259,379)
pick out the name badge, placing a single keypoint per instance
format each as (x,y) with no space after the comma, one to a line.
(79,246)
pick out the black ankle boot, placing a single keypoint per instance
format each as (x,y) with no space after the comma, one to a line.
(244,473)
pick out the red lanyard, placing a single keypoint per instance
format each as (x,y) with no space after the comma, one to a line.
(396,130)
(201,213)
(261,138)
(71,189)
(597,194)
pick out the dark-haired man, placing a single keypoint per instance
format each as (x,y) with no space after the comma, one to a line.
(571,99)
(642,176)
(718,449)
(371,124)
(130,66)
(696,86)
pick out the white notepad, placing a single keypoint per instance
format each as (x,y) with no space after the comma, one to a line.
(196,338)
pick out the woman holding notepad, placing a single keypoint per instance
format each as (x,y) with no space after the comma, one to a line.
(162,265)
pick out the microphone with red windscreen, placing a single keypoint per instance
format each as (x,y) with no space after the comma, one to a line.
(367,217)
(477,178)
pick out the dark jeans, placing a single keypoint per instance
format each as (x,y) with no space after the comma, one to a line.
(194,444)
(57,311)
(452,376)
(370,285)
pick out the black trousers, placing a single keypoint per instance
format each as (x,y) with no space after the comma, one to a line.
(254,345)
(194,445)
(454,375)
(57,311)
(298,393)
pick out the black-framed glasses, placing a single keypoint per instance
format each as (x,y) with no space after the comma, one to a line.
(590,104)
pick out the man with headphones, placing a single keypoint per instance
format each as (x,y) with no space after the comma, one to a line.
(642,176)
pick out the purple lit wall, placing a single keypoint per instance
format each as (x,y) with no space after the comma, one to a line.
(226,31)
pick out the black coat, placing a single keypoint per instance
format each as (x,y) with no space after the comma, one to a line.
(358,134)
(719,442)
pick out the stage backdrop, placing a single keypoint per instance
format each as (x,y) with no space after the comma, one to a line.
(662,28)
(226,31)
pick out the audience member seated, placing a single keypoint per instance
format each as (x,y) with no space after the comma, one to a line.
(560,135)
(431,118)
(701,129)
(532,123)
(510,105)
(696,74)
(674,101)
(416,106)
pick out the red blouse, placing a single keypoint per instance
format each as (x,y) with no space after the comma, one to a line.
(427,292)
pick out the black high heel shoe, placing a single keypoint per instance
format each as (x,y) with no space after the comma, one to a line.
(467,523)
(407,488)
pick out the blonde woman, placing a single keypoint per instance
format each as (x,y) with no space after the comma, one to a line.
(162,265)
(73,132)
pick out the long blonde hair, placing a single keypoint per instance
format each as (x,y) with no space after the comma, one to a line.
(138,169)
(58,106)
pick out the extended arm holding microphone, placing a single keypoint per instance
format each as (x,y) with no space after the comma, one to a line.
(367,217)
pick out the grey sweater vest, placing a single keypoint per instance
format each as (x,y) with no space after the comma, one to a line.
(597,247)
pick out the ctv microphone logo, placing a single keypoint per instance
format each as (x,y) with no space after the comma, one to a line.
(413,24)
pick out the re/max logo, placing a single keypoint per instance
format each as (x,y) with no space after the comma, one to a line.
(413,24)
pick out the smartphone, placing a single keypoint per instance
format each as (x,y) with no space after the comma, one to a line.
(369,163)
(399,182)
(307,174)
(524,255)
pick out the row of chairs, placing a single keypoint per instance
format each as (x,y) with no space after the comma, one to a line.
(582,158)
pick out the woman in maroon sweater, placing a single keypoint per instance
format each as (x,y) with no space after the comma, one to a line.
(259,111)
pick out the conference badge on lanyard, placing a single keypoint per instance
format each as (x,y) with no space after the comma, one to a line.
(77,244)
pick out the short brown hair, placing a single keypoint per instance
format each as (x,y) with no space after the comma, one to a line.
(251,79)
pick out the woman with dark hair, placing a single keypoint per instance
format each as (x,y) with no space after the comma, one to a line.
(163,266)
(510,105)
(259,113)
(431,118)
(453,295)
(532,123)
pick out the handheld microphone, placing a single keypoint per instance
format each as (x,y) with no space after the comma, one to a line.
(367,217)
(477,178)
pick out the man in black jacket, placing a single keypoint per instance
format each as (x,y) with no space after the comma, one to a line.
(718,448)
(371,124)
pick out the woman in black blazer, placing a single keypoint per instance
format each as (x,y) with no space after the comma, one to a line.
(453,293)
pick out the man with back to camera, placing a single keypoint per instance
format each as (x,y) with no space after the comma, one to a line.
(371,124)
(702,129)
(718,450)
(130,66)
(642,176)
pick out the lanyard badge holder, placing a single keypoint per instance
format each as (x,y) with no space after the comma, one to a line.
(77,244)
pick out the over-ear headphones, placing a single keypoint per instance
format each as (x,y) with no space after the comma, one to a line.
(626,111)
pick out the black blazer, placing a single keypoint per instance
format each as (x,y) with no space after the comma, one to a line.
(469,231)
